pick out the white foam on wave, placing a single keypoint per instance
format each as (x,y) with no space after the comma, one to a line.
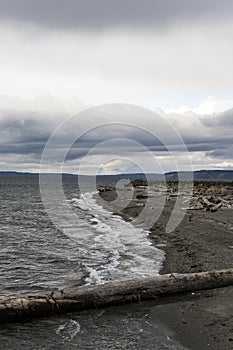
(68,330)
(115,249)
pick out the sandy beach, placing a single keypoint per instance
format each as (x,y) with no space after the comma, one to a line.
(203,241)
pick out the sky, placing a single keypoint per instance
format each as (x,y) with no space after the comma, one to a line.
(162,66)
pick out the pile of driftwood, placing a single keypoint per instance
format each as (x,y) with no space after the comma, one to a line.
(210,203)
(200,200)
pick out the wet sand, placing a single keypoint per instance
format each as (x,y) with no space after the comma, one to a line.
(203,241)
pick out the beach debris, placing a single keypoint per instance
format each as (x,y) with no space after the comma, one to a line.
(206,196)
(142,195)
(19,308)
(208,203)
(161,245)
(105,188)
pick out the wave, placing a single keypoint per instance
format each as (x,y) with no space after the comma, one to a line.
(111,248)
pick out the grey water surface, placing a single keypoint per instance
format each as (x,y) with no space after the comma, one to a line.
(92,247)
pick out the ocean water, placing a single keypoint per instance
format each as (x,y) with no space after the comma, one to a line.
(93,247)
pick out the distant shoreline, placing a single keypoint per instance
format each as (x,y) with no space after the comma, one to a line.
(199,175)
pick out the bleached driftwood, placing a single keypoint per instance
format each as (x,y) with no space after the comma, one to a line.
(24,307)
(208,203)
(216,207)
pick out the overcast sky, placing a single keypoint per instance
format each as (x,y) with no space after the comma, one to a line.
(172,56)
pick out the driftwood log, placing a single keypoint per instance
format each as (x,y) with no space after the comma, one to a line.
(23,307)
(209,203)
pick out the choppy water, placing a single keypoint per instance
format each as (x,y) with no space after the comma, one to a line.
(98,247)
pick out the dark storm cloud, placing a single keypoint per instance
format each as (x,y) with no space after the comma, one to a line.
(222,123)
(26,133)
(223,119)
(24,126)
(93,14)
(23,132)
(223,152)
(22,148)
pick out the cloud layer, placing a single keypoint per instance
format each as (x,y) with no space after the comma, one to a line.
(153,53)
(170,56)
(104,14)
(114,133)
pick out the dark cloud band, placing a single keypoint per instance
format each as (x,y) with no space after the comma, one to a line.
(97,14)
(20,134)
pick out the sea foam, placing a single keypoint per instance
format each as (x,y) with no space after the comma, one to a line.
(115,249)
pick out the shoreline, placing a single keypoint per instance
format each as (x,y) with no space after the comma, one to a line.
(202,242)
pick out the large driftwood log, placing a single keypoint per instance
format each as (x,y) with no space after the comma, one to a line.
(24,307)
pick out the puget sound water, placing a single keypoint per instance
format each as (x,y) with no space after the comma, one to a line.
(98,247)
